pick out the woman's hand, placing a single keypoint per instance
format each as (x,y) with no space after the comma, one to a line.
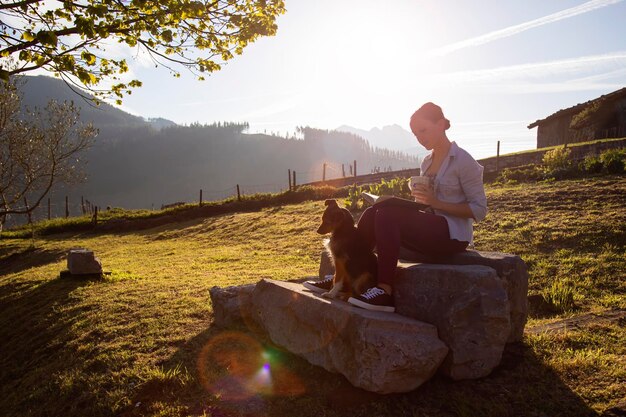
(425,195)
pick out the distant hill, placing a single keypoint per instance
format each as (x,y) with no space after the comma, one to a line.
(160,123)
(143,163)
(392,137)
(148,167)
(38,90)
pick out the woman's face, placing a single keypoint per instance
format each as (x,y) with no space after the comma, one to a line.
(428,133)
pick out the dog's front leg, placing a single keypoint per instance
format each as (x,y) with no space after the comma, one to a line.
(337,287)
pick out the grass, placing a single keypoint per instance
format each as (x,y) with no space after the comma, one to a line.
(140,342)
(117,219)
(569,145)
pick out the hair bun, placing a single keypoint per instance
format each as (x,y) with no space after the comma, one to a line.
(430,111)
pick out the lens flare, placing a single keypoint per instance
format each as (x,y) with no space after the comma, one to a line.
(262,381)
(234,367)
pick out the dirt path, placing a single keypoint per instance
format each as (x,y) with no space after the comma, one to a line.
(581,321)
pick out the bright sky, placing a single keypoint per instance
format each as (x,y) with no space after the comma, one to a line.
(494,66)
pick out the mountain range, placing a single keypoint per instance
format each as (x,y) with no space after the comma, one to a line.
(393,137)
(144,163)
(39,89)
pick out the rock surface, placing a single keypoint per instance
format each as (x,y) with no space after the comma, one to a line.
(82,262)
(510,268)
(379,352)
(469,306)
(230,304)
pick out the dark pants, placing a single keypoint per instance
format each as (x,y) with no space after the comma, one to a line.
(388,228)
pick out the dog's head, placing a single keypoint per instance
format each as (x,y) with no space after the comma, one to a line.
(334,217)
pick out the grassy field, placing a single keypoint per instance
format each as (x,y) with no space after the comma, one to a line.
(141,341)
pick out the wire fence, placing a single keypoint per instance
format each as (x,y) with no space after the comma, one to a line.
(65,206)
(71,206)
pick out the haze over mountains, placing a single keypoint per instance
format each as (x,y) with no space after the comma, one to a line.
(139,163)
(393,137)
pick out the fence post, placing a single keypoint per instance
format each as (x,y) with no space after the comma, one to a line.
(95,217)
(355,168)
(343,170)
(324,172)
(238,193)
(67,208)
(82,204)
(294,180)
(200,197)
(289,175)
(28,213)
(498,158)
(48,208)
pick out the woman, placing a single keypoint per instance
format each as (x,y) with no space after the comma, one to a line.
(456,197)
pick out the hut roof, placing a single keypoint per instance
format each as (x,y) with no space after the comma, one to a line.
(577,108)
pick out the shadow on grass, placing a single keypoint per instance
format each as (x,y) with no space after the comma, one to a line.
(235,373)
(20,260)
(33,334)
(246,205)
(596,238)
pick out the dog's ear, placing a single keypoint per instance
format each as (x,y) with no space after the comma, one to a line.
(348,216)
(331,203)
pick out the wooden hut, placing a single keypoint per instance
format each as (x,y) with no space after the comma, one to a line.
(603,117)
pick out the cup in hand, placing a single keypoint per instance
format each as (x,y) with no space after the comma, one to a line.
(418,180)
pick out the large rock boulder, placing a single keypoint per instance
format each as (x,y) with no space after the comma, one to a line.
(379,352)
(469,306)
(511,269)
(83,262)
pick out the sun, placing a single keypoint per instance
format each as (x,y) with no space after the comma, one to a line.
(367,53)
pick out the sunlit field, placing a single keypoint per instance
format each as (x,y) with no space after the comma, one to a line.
(141,341)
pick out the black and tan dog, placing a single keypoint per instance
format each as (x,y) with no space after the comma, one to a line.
(355,262)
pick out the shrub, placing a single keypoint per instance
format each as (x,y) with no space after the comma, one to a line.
(354,196)
(398,187)
(557,164)
(525,173)
(563,173)
(592,165)
(614,160)
(557,159)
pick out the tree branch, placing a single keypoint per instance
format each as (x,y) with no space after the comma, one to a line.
(5,6)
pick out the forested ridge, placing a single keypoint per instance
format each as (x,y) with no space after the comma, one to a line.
(138,164)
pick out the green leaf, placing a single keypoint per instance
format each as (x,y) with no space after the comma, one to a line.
(28,36)
(40,60)
(89,58)
(86,77)
(47,38)
(171,28)
(166,35)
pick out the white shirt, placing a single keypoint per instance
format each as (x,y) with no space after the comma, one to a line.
(459,180)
